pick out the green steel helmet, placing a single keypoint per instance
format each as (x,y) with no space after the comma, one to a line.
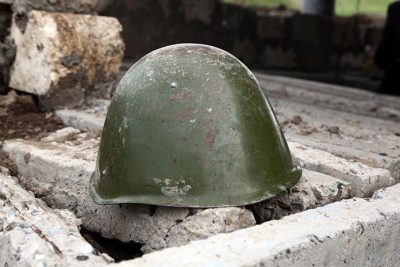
(189,126)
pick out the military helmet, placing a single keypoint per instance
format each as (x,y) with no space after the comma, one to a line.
(189,126)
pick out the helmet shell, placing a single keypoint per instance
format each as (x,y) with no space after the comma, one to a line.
(189,126)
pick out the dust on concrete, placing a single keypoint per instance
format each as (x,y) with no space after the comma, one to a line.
(298,123)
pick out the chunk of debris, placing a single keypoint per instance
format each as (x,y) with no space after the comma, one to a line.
(32,234)
(333,129)
(60,171)
(313,190)
(62,57)
(296,119)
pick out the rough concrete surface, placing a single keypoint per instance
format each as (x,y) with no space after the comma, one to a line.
(338,128)
(61,56)
(59,173)
(364,180)
(354,155)
(341,98)
(32,234)
(354,232)
(313,190)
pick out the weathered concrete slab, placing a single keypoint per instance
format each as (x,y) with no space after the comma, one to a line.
(32,234)
(354,232)
(363,179)
(353,155)
(59,173)
(62,56)
(330,96)
(338,128)
(313,190)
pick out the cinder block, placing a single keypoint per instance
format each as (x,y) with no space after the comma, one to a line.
(59,173)
(363,179)
(61,57)
(32,234)
(354,232)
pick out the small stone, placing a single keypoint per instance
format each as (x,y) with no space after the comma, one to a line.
(334,130)
(296,119)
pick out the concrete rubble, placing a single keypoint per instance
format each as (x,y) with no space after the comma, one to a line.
(58,170)
(313,190)
(364,180)
(32,234)
(66,158)
(63,57)
(354,232)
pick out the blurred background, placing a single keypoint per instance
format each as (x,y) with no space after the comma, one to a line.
(329,41)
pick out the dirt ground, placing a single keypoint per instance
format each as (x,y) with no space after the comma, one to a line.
(19,118)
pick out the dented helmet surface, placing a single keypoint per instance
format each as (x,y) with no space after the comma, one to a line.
(189,126)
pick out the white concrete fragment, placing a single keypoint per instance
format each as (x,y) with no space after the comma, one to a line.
(31,234)
(61,135)
(60,172)
(363,179)
(207,223)
(313,190)
(82,119)
(60,56)
(354,232)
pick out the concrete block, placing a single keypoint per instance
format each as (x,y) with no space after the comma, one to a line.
(339,128)
(61,57)
(59,173)
(363,179)
(313,190)
(354,232)
(353,155)
(330,96)
(32,234)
